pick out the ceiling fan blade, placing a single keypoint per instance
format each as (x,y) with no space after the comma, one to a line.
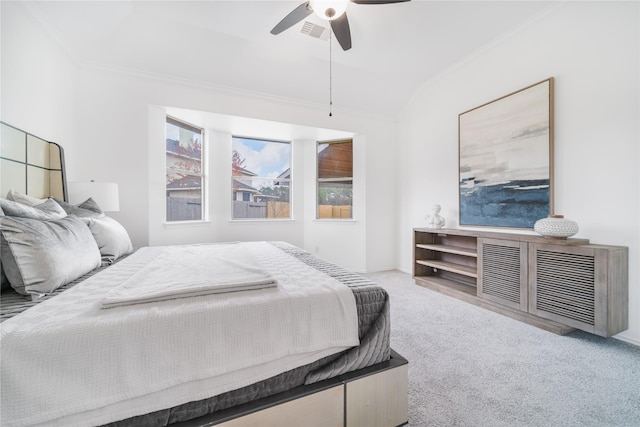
(378,1)
(341,29)
(295,16)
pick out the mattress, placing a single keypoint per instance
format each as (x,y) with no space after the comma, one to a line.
(373,330)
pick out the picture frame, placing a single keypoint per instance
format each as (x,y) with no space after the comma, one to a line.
(505,159)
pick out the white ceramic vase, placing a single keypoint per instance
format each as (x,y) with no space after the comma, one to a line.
(556,226)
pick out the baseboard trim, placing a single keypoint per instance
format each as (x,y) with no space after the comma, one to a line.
(378,270)
(627,340)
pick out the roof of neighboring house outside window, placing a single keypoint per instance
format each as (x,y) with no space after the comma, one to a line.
(174,147)
(239,186)
(185,183)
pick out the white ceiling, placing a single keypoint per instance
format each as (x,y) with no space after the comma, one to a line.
(396,48)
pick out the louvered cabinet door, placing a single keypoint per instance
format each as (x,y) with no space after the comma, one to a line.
(581,286)
(502,272)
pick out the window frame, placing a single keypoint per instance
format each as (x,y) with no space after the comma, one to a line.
(202,174)
(288,180)
(343,179)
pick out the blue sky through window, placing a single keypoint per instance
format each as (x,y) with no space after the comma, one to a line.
(264,158)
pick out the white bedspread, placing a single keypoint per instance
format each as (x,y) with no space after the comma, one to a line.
(199,270)
(69,362)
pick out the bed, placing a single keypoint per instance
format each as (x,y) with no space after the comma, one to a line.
(280,337)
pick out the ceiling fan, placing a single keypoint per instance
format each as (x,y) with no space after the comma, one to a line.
(333,11)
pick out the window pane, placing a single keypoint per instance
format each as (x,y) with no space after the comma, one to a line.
(184,182)
(335,199)
(335,160)
(261,172)
(335,179)
(184,199)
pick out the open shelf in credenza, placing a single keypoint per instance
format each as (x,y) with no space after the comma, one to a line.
(446,260)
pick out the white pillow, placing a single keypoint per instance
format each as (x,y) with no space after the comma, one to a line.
(25,199)
(40,256)
(112,238)
(46,210)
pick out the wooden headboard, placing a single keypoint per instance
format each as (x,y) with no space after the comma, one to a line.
(30,165)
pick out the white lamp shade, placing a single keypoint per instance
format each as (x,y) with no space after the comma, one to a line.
(105,194)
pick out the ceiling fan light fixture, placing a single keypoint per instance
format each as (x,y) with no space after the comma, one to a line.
(329,9)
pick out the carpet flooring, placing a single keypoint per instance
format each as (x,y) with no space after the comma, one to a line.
(469,366)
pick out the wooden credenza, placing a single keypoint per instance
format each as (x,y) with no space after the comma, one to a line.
(556,284)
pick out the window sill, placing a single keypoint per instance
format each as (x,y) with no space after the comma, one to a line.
(185,224)
(240,220)
(338,220)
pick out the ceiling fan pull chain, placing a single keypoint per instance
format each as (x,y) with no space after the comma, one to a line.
(330,77)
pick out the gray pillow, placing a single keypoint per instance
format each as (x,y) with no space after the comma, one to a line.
(87,209)
(4,282)
(44,211)
(112,238)
(40,256)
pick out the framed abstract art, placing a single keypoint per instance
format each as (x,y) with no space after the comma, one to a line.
(506,159)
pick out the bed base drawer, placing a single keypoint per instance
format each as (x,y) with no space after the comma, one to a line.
(379,400)
(322,409)
(376,396)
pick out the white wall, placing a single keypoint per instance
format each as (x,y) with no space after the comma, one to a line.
(592,50)
(122,117)
(36,82)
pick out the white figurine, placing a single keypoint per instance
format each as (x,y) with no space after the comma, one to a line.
(435,220)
